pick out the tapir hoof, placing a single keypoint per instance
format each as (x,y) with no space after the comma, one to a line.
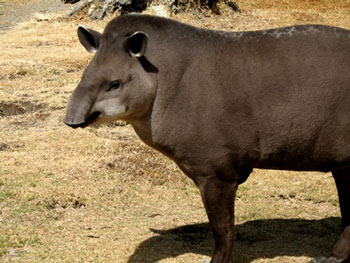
(328,260)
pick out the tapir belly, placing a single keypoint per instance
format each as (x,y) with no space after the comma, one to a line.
(309,143)
(306,129)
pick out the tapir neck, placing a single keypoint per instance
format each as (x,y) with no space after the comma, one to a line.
(148,131)
(143,129)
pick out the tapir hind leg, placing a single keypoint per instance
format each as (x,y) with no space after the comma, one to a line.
(341,250)
(218,197)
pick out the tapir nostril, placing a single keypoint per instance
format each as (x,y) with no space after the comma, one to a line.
(74,125)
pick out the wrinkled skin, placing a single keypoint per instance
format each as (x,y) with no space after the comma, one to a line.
(220,104)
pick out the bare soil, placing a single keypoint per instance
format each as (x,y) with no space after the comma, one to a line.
(16,11)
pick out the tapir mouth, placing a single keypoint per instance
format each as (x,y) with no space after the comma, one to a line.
(90,120)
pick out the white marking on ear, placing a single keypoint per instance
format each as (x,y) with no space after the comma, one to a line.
(88,38)
(136,44)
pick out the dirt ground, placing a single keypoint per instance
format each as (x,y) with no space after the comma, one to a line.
(101,195)
(16,11)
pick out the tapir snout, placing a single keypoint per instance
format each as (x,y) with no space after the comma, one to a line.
(78,113)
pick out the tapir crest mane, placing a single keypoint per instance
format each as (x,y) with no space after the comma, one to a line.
(128,23)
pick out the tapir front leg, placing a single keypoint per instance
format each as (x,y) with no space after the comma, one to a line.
(218,196)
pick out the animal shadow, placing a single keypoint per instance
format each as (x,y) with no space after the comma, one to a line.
(255,239)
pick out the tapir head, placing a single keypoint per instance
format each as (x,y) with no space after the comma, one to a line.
(118,84)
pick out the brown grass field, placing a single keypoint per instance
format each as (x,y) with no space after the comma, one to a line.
(101,195)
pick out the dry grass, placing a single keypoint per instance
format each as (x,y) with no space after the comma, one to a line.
(100,195)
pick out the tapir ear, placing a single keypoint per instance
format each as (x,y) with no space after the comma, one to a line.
(136,44)
(89,38)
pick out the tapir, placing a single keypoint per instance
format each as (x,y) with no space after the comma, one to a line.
(222,103)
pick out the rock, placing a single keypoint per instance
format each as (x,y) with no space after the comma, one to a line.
(91,9)
(100,12)
(4,146)
(79,8)
(233,5)
(160,10)
(13,253)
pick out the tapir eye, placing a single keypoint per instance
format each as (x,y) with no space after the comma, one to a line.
(114,85)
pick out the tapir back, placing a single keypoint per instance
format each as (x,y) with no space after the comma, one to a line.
(271,99)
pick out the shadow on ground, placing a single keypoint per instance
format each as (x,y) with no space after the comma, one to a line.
(255,239)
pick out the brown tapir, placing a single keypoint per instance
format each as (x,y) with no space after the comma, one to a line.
(222,103)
